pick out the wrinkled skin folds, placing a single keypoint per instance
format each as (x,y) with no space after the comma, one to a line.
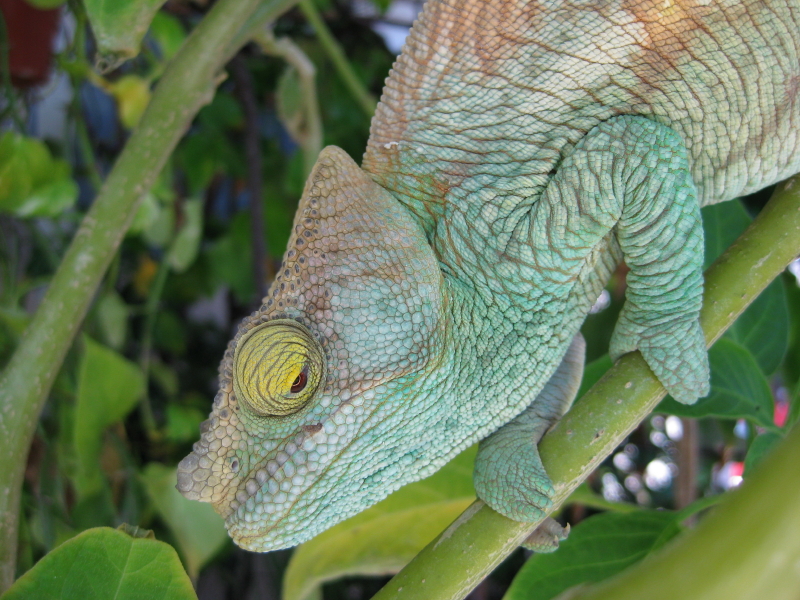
(519,152)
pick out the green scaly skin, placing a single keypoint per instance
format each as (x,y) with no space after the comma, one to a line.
(520,151)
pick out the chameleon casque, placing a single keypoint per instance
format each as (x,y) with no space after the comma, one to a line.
(521,150)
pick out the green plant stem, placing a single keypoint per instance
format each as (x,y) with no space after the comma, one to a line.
(749,544)
(459,558)
(150,315)
(188,83)
(255,177)
(286,49)
(365,100)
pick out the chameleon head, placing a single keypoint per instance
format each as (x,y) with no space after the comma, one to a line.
(300,435)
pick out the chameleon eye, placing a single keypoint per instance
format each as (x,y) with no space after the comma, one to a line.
(299,384)
(277,368)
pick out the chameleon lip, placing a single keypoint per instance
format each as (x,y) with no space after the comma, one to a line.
(274,531)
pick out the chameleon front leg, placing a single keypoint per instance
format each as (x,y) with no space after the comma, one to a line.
(630,175)
(509,475)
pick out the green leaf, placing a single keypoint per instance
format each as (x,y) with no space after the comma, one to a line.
(119,26)
(168,32)
(112,314)
(32,182)
(382,5)
(183,422)
(794,409)
(184,247)
(105,564)
(759,448)
(198,530)
(791,365)
(132,94)
(289,100)
(738,388)
(722,224)
(596,549)
(382,539)
(763,328)
(109,386)
(231,259)
(49,200)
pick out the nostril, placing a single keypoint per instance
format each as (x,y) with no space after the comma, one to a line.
(235,466)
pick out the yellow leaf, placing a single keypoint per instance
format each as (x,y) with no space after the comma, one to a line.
(132,94)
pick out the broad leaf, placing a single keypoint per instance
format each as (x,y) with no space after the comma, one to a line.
(105,564)
(722,224)
(112,314)
(794,409)
(32,182)
(759,448)
(596,549)
(198,530)
(119,26)
(168,33)
(109,386)
(738,388)
(382,539)
(132,94)
(49,200)
(763,328)
(184,247)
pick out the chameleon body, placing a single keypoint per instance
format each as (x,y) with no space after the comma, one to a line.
(519,152)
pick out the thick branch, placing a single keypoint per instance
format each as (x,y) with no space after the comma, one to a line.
(458,559)
(186,85)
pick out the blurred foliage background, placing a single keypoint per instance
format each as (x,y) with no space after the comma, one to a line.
(129,399)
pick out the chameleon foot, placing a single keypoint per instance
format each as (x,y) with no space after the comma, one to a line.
(546,537)
(675,351)
(509,475)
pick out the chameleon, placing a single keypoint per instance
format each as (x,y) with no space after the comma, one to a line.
(431,298)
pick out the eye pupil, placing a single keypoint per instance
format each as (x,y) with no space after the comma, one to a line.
(300,382)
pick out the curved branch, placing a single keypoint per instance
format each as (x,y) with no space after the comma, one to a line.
(187,84)
(459,558)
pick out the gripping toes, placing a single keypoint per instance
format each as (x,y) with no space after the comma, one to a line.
(509,475)
(675,351)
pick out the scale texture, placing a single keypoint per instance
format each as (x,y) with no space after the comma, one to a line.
(520,151)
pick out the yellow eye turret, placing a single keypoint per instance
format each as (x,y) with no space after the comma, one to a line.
(277,368)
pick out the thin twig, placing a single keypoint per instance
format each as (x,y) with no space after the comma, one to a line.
(365,100)
(188,83)
(252,152)
(310,139)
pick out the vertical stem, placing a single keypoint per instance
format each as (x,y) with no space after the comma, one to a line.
(311,138)
(688,456)
(187,84)
(365,100)
(151,313)
(252,151)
